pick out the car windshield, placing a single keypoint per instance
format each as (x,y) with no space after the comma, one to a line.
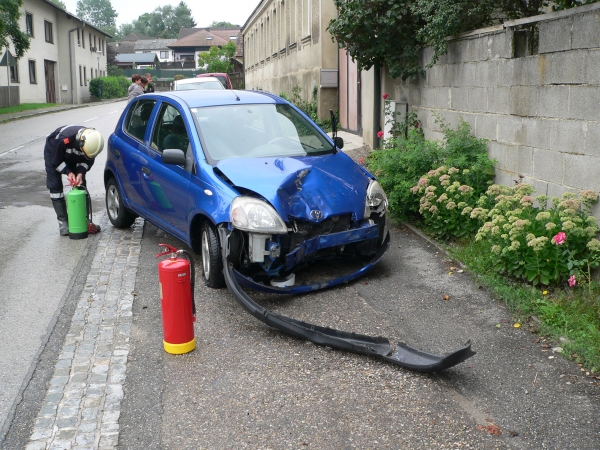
(254,131)
(199,85)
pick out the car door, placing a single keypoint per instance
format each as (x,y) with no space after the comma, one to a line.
(166,186)
(130,152)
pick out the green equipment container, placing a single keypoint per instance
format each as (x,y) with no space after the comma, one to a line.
(77,211)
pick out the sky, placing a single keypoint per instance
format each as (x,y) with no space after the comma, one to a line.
(204,12)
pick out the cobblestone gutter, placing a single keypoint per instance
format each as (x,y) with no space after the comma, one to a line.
(82,405)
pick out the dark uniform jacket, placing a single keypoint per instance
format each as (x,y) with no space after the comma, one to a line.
(62,152)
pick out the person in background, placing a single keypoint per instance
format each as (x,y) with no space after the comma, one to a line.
(150,87)
(135,88)
(144,83)
(70,150)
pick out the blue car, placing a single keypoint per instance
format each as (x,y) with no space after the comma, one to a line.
(248,181)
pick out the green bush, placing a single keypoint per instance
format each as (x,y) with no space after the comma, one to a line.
(178,77)
(404,160)
(109,87)
(538,244)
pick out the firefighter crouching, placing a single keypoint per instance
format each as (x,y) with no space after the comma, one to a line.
(70,150)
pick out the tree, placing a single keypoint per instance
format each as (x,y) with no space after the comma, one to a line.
(99,13)
(59,4)
(218,59)
(393,32)
(164,22)
(9,27)
(216,24)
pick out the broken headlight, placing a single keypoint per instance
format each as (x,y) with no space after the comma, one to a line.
(251,214)
(376,201)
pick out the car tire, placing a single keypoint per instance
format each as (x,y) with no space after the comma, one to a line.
(120,216)
(212,263)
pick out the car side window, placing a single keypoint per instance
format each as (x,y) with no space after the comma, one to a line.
(138,118)
(170,131)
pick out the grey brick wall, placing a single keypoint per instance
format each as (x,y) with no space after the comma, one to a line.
(540,113)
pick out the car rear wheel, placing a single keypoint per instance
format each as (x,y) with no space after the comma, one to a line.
(119,215)
(212,264)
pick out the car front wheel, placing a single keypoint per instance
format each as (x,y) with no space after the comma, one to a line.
(212,264)
(119,215)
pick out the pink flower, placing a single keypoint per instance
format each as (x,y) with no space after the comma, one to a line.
(360,161)
(572,280)
(380,134)
(385,96)
(560,238)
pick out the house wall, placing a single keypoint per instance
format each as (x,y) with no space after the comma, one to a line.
(157,53)
(539,112)
(57,52)
(286,44)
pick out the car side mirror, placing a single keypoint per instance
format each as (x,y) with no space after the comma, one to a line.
(339,142)
(173,156)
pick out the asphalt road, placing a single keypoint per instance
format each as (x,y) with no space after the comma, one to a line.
(248,386)
(40,270)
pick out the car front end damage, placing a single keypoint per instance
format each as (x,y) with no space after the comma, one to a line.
(268,239)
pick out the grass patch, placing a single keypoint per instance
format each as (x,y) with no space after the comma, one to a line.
(569,313)
(25,107)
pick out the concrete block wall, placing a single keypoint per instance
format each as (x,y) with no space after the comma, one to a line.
(540,113)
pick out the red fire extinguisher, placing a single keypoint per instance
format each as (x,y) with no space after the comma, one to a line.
(176,281)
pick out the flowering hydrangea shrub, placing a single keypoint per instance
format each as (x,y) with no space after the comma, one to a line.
(540,244)
(446,203)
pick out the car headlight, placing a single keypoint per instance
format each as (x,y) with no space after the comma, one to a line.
(251,214)
(376,201)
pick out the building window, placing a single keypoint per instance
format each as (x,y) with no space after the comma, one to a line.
(82,38)
(80,77)
(164,55)
(14,74)
(32,76)
(85,76)
(90,41)
(48,32)
(29,23)
(78,38)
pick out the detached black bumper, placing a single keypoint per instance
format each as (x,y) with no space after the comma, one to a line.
(400,354)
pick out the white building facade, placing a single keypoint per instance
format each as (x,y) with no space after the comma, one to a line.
(64,54)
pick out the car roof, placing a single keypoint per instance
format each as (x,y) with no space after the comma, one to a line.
(196,80)
(218,97)
(212,74)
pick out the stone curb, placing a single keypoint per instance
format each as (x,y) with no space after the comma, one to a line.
(4,118)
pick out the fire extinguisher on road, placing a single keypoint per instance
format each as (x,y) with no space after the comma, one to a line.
(176,280)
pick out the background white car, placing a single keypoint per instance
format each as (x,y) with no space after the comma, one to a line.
(189,84)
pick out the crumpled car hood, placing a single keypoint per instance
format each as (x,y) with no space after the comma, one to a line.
(311,188)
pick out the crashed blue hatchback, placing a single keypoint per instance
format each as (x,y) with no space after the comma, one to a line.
(260,191)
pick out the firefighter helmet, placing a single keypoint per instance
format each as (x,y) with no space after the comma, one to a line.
(90,141)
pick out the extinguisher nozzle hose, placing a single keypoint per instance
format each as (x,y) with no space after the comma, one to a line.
(192,277)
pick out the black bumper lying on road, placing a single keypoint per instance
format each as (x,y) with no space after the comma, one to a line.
(380,347)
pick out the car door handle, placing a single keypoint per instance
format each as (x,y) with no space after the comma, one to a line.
(116,152)
(146,171)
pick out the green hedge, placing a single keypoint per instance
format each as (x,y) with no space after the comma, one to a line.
(109,87)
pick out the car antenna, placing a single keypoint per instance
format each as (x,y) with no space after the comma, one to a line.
(333,128)
(236,96)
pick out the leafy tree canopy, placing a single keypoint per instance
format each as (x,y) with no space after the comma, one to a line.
(216,24)
(9,27)
(99,13)
(218,59)
(393,32)
(59,4)
(164,22)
